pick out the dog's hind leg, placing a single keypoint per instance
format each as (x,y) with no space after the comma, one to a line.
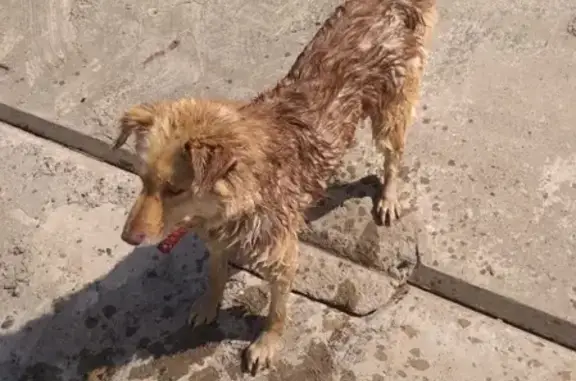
(389,129)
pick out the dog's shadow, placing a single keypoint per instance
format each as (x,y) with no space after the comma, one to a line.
(367,186)
(138,310)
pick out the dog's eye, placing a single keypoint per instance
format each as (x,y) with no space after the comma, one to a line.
(171,191)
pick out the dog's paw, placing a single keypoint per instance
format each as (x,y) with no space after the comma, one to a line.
(260,354)
(203,311)
(387,210)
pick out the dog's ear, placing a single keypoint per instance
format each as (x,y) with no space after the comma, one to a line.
(210,165)
(137,118)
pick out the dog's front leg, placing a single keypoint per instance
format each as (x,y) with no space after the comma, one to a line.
(263,350)
(205,308)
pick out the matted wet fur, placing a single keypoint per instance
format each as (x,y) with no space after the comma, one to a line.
(241,175)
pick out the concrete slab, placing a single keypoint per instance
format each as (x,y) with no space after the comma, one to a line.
(420,338)
(128,324)
(498,89)
(495,154)
(77,307)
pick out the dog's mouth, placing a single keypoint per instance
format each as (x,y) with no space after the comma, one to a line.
(171,240)
(178,232)
(167,244)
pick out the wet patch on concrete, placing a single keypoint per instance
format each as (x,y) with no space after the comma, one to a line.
(207,374)
(415,352)
(254,299)
(334,322)
(571,28)
(8,322)
(317,364)
(380,354)
(464,323)
(347,375)
(173,357)
(347,295)
(419,364)
(410,331)
(41,371)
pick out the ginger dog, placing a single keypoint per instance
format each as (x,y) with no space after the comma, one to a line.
(243,174)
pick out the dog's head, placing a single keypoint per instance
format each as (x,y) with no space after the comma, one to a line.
(198,160)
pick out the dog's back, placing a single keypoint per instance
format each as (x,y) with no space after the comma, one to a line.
(366,40)
(357,63)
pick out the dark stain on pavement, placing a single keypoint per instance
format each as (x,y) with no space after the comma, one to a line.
(254,299)
(572,27)
(347,295)
(160,53)
(206,374)
(40,372)
(182,349)
(316,365)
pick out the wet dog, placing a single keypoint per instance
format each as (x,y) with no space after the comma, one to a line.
(241,175)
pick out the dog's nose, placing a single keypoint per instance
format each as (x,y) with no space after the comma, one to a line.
(133,238)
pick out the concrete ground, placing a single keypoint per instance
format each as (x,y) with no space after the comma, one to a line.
(77,302)
(489,194)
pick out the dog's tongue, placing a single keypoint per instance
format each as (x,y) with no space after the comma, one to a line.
(171,240)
